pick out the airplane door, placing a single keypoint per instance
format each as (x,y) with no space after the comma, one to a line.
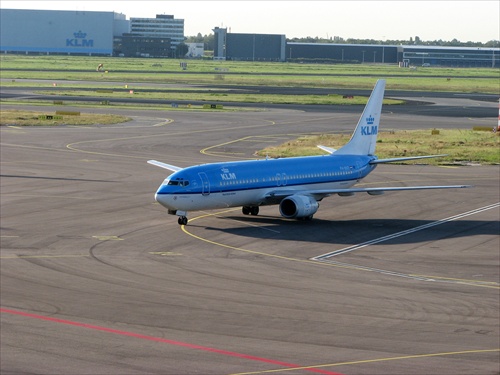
(205,183)
(358,167)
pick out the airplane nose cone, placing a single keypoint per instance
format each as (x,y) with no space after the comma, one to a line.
(163,199)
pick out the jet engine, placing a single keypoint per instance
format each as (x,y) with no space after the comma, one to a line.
(298,207)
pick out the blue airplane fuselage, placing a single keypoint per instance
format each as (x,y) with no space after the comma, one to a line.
(230,181)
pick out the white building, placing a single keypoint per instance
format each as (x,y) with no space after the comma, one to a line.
(196,50)
(163,26)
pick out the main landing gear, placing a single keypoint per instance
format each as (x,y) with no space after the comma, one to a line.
(247,210)
(250,210)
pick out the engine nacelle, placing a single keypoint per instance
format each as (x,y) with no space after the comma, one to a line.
(298,206)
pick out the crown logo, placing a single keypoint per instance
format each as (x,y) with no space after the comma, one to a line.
(370,120)
(80,35)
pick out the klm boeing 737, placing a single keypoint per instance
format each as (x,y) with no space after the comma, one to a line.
(295,184)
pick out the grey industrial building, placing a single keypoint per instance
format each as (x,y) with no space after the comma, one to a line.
(406,55)
(342,53)
(467,57)
(259,47)
(248,47)
(142,46)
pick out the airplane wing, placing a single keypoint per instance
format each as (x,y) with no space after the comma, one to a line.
(170,167)
(319,194)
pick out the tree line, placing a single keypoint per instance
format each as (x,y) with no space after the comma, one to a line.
(208,41)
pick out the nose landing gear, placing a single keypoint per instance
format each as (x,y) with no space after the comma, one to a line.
(182,220)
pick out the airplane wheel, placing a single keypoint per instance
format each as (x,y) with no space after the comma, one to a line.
(183,220)
(254,210)
(245,210)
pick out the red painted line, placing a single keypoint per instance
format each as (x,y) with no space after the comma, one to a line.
(166,341)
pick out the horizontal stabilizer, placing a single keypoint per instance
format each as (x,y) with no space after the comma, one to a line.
(380,161)
(170,167)
(327,149)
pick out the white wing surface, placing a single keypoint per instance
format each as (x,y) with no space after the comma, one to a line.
(170,167)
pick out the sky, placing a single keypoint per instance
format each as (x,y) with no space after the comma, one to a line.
(464,20)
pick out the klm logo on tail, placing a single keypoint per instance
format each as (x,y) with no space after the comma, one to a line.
(369,130)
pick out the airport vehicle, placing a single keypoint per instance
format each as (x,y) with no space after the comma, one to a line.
(296,184)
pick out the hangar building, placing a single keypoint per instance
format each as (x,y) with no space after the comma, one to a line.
(248,47)
(52,31)
(405,55)
(342,53)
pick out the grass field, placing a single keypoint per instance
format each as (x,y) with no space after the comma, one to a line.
(89,63)
(168,71)
(462,146)
(39,118)
(221,96)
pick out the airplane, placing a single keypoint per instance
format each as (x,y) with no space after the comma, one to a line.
(296,184)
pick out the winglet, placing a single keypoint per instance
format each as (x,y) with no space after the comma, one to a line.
(170,167)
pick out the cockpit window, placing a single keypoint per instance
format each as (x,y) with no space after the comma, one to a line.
(182,183)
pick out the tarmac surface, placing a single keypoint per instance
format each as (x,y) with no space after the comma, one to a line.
(438,104)
(97,278)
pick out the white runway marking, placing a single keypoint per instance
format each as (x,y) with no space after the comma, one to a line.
(403,233)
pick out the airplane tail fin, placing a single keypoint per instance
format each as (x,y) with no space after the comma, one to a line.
(364,138)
